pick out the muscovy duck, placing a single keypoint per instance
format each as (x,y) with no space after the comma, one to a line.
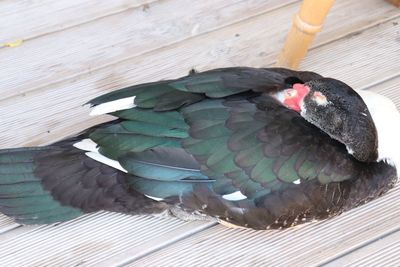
(260,148)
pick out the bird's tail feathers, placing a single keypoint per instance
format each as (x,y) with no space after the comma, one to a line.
(43,185)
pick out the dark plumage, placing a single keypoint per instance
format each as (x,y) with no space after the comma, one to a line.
(219,144)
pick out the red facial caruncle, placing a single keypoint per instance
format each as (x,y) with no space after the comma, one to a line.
(294,96)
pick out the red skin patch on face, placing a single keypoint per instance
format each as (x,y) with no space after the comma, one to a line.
(295,96)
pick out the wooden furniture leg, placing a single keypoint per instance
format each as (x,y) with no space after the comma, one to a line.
(395,2)
(306,24)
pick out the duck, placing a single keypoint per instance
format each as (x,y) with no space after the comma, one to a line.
(260,148)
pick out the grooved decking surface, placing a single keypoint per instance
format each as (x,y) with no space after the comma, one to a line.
(73,51)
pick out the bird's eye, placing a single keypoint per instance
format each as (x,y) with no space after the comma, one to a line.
(290,93)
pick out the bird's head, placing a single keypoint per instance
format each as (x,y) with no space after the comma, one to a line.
(339,111)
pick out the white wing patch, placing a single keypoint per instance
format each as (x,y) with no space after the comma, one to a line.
(87,145)
(103,159)
(235,196)
(154,198)
(93,153)
(112,106)
(349,150)
(297,181)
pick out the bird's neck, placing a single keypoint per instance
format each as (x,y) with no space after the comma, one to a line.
(387,122)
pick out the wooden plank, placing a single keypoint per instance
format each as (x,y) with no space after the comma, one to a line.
(30,19)
(90,240)
(342,14)
(306,245)
(382,252)
(132,253)
(361,53)
(106,41)
(7,224)
(387,255)
(390,89)
(239,44)
(46,66)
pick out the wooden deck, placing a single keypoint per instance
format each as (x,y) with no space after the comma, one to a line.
(73,51)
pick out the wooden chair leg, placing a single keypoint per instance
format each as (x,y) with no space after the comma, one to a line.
(305,26)
(395,2)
